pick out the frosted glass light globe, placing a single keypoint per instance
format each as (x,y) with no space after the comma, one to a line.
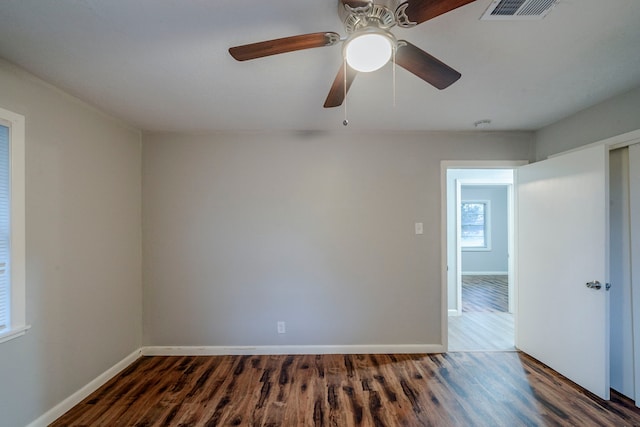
(368,52)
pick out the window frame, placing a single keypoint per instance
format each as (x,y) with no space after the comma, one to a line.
(17,305)
(487,227)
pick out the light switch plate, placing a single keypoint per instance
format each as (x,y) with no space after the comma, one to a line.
(282,328)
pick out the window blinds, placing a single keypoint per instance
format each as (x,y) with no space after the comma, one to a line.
(5,235)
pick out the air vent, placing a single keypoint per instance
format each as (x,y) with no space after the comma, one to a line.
(518,9)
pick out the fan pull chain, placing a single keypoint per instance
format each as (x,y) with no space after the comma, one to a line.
(344,87)
(394,77)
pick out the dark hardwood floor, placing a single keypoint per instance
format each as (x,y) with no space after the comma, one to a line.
(455,389)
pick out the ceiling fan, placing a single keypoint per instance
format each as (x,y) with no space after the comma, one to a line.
(369,44)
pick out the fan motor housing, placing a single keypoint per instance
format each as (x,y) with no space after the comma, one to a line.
(380,13)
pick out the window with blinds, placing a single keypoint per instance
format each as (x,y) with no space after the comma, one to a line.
(12,226)
(474,225)
(5,229)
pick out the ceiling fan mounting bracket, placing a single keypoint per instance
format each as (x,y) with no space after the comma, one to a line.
(379,14)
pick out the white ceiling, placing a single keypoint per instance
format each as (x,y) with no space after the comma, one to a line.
(163,64)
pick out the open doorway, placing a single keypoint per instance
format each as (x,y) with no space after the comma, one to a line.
(479,267)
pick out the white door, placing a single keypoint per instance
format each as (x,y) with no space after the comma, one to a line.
(562,241)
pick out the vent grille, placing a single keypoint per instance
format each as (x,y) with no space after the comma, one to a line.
(518,9)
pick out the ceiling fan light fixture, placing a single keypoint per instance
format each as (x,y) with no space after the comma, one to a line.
(369,50)
(370,43)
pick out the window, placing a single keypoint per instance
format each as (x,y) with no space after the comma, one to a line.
(12,229)
(474,225)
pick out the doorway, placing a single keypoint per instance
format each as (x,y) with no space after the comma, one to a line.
(480,285)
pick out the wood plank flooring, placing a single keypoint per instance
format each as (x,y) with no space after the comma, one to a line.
(455,389)
(479,331)
(485,293)
(485,324)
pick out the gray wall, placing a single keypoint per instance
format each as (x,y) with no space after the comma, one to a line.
(317,229)
(496,259)
(83,248)
(612,117)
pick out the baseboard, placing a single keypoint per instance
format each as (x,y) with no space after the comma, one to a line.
(485,273)
(61,408)
(454,312)
(290,349)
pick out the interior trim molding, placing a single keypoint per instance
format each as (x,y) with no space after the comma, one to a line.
(290,349)
(61,408)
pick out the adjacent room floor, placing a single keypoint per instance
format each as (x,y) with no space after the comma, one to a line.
(485,323)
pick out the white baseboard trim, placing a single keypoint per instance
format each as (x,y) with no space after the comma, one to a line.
(61,408)
(291,349)
(454,312)
(485,273)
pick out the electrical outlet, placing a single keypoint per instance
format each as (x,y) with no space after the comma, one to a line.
(419,228)
(282,328)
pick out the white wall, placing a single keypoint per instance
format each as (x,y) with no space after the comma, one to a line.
(618,115)
(316,229)
(83,248)
(496,259)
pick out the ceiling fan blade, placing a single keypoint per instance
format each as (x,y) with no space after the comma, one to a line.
(425,66)
(413,12)
(337,91)
(283,45)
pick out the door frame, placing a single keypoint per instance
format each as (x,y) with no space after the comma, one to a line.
(444,221)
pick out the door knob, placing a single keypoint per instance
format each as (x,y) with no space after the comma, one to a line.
(594,285)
